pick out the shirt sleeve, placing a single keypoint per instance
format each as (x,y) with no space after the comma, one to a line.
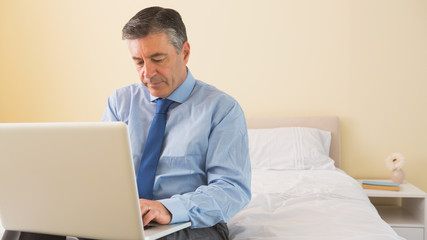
(228,176)
(110,112)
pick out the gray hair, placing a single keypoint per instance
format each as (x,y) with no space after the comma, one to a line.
(156,20)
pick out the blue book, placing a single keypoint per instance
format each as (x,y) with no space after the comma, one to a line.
(391,184)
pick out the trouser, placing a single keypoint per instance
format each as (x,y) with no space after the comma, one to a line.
(217,232)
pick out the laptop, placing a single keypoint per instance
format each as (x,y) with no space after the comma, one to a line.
(71,179)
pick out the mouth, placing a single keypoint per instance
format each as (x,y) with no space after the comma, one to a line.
(153,80)
(154,84)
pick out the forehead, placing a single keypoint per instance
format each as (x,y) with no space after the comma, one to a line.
(155,43)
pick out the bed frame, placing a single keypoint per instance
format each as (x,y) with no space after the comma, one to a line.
(328,123)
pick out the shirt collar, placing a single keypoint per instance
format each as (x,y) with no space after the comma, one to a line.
(182,92)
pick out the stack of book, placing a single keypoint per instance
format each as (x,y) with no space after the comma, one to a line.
(381,185)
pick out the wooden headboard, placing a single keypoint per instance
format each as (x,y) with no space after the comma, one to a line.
(324,123)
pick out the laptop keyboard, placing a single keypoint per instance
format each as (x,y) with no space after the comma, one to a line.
(148,227)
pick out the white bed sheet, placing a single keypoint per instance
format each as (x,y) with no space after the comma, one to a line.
(308,204)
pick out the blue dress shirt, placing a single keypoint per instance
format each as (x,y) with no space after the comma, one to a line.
(204,173)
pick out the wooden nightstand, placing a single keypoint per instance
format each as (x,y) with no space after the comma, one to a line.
(404,210)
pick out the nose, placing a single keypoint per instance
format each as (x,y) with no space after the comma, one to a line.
(149,70)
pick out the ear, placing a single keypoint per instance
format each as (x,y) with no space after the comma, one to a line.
(185,51)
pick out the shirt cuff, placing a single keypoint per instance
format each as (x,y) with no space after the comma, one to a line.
(177,209)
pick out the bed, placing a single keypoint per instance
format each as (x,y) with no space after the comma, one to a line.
(298,190)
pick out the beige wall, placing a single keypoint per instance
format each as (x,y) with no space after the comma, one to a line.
(365,61)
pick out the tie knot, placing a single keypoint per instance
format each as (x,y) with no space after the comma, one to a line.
(163,105)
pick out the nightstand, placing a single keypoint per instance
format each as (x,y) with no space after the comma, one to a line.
(404,210)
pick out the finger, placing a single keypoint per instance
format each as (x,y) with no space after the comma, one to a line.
(144,206)
(149,216)
(145,209)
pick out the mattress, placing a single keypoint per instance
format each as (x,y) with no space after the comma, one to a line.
(308,204)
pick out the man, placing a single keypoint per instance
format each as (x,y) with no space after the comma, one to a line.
(203,173)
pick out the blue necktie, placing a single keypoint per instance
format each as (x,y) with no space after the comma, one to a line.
(151,154)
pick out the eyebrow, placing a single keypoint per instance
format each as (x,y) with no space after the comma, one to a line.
(151,56)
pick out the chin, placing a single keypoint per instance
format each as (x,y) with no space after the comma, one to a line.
(158,94)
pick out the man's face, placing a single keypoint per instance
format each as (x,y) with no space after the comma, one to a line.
(159,66)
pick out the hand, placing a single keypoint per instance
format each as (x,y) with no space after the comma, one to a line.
(154,211)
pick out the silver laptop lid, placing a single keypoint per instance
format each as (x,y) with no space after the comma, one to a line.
(74,179)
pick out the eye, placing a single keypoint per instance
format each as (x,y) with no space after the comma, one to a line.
(139,62)
(158,60)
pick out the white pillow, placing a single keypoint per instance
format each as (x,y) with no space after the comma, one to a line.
(290,148)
